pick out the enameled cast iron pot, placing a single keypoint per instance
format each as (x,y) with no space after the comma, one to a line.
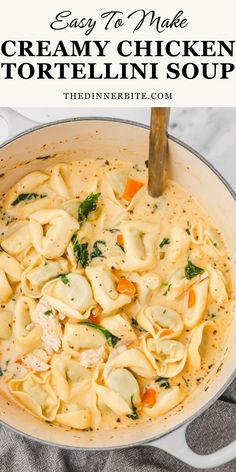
(93,137)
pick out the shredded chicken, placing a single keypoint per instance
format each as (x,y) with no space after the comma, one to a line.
(34,362)
(91,357)
(52,334)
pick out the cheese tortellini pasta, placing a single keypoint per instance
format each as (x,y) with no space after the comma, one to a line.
(110,300)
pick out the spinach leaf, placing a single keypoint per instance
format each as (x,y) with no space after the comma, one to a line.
(164,241)
(87,206)
(96,252)
(112,340)
(191,270)
(134,414)
(27,196)
(64,279)
(80,251)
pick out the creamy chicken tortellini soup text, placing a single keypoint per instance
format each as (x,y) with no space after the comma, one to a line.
(113,305)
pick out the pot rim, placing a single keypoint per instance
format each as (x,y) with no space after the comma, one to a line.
(212,400)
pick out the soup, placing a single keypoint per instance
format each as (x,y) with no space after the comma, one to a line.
(114,305)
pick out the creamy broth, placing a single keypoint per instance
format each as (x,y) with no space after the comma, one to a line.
(114,305)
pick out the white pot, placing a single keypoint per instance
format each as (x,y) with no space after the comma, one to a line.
(90,138)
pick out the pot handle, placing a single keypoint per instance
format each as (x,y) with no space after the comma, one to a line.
(16,122)
(175,444)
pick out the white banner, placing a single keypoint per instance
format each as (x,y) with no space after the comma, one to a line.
(172,53)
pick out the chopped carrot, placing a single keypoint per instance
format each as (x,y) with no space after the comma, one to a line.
(131,188)
(166,332)
(191,298)
(149,397)
(120,239)
(18,361)
(126,287)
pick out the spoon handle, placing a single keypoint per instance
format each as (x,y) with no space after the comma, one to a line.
(157,150)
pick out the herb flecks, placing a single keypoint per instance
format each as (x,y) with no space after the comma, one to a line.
(112,230)
(96,251)
(48,312)
(146,163)
(87,206)
(164,242)
(43,158)
(134,414)
(120,246)
(167,290)
(24,197)
(112,340)
(64,279)
(191,270)
(135,325)
(80,251)
(188,231)
(163,382)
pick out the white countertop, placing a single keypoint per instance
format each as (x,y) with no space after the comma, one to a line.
(211,131)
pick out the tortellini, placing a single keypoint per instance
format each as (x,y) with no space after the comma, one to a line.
(179,244)
(36,360)
(217,286)
(78,336)
(113,186)
(146,285)
(71,380)
(45,317)
(104,289)
(161,320)
(51,232)
(208,238)
(11,267)
(117,391)
(135,360)
(74,417)
(39,272)
(72,298)
(180,284)
(27,184)
(167,400)
(112,302)
(57,181)
(139,244)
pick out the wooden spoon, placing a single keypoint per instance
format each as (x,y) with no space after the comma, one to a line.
(157,150)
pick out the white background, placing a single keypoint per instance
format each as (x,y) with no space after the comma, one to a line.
(210,131)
